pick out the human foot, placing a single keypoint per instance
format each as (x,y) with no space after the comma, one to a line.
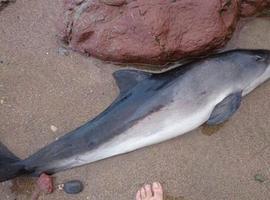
(148,192)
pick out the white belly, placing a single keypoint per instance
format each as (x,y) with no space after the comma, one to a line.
(167,123)
(170,121)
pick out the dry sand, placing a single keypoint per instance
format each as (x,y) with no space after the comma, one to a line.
(40,88)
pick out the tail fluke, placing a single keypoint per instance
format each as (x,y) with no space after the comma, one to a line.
(10,165)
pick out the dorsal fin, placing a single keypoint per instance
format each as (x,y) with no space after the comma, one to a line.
(127,79)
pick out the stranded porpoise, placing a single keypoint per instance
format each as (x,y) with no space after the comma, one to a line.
(151,108)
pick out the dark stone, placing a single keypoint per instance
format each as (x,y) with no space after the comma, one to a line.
(73,187)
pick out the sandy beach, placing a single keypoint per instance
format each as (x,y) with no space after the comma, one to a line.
(44,94)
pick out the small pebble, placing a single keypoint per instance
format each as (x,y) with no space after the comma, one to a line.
(53,128)
(73,187)
(260,178)
(2,101)
(63,51)
(60,186)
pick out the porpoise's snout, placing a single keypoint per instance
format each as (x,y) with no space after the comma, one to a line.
(263,56)
(259,69)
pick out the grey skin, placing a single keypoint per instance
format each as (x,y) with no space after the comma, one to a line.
(151,108)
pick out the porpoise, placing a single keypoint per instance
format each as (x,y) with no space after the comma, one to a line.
(151,108)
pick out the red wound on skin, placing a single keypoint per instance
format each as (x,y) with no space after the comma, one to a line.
(45,183)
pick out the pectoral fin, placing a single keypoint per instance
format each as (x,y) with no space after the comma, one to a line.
(225,109)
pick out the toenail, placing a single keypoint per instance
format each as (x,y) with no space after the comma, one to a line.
(155,185)
(143,194)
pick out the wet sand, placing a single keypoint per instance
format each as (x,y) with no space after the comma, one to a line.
(40,88)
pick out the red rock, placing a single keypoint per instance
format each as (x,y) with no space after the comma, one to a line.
(251,7)
(152,31)
(45,183)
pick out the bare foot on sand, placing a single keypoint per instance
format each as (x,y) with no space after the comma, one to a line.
(148,192)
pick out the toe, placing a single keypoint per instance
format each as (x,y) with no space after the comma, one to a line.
(143,193)
(138,195)
(157,190)
(148,190)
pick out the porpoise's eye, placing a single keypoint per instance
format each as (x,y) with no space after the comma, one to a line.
(259,58)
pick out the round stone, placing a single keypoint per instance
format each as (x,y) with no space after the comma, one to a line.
(73,187)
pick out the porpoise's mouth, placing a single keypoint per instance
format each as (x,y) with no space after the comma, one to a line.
(259,80)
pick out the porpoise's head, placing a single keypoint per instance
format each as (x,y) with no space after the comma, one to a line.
(253,67)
